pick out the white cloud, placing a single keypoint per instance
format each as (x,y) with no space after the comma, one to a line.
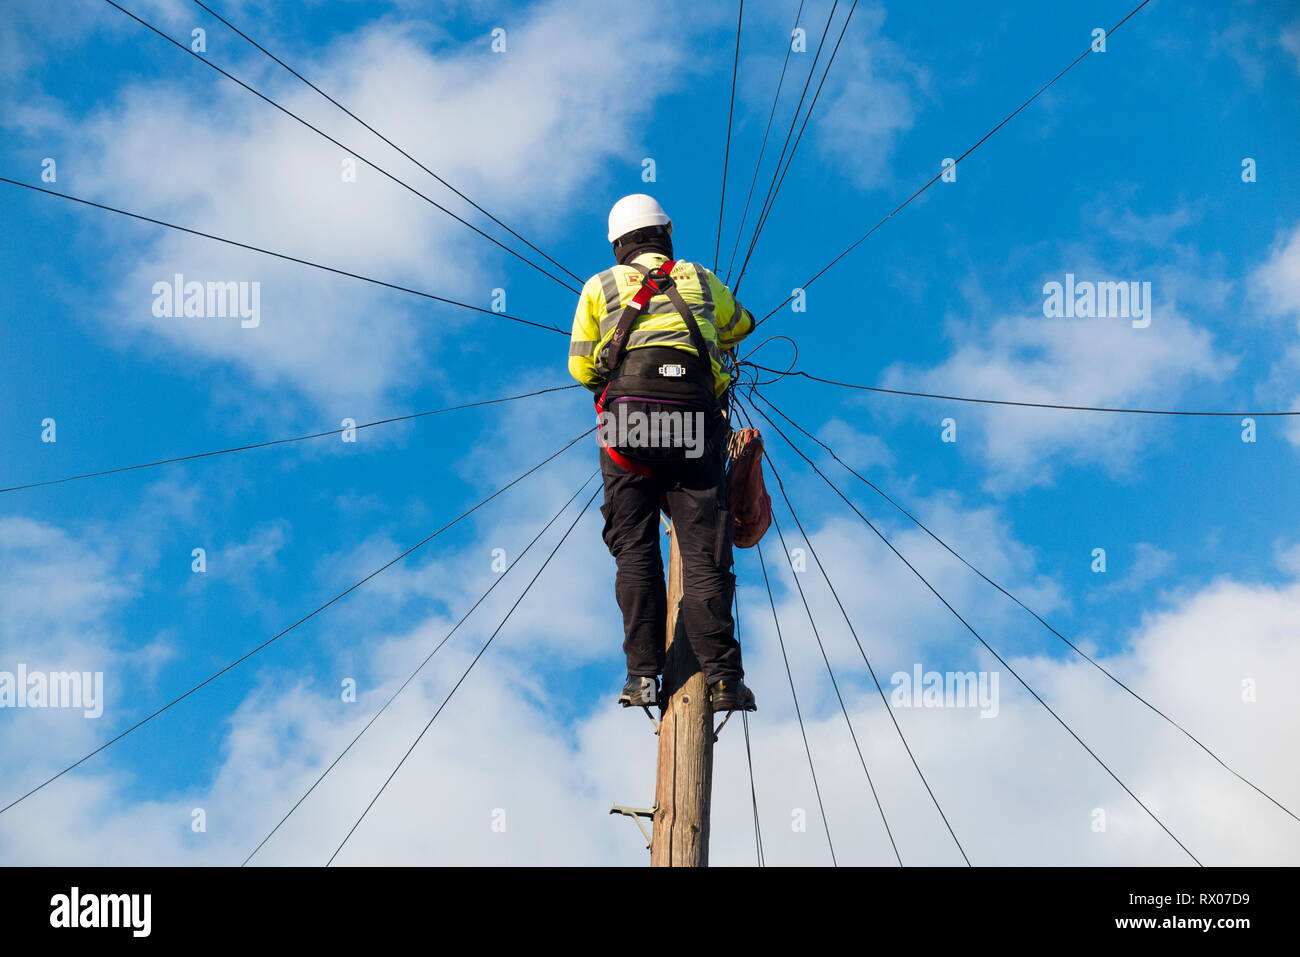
(58,596)
(1278,279)
(1147,563)
(867,103)
(860,450)
(1288,559)
(55,588)
(1276,283)
(259,551)
(1153,229)
(1290,40)
(895,617)
(1097,362)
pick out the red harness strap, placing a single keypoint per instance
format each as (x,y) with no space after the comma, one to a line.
(618,458)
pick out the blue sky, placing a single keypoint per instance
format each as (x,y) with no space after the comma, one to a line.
(1129,168)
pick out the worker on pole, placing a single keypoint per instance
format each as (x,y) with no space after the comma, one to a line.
(648,340)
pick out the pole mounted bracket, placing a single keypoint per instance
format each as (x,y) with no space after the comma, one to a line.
(636,813)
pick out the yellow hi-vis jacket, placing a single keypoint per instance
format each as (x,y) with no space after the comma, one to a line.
(723,322)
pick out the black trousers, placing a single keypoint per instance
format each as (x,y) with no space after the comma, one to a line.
(693,491)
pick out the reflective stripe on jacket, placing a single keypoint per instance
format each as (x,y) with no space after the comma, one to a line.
(723,322)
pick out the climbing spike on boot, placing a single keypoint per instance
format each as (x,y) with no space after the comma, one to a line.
(731,694)
(639,692)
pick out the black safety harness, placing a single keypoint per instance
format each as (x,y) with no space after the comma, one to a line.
(668,375)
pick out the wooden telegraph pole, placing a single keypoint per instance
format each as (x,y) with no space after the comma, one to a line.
(684,783)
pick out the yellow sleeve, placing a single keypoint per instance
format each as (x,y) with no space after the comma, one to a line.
(733,321)
(586,336)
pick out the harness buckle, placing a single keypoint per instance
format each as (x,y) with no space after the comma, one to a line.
(673,371)
(661,279)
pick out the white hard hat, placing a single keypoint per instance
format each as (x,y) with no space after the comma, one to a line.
(635,212)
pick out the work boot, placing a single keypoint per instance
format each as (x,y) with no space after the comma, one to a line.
(731,694)
(639,692)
